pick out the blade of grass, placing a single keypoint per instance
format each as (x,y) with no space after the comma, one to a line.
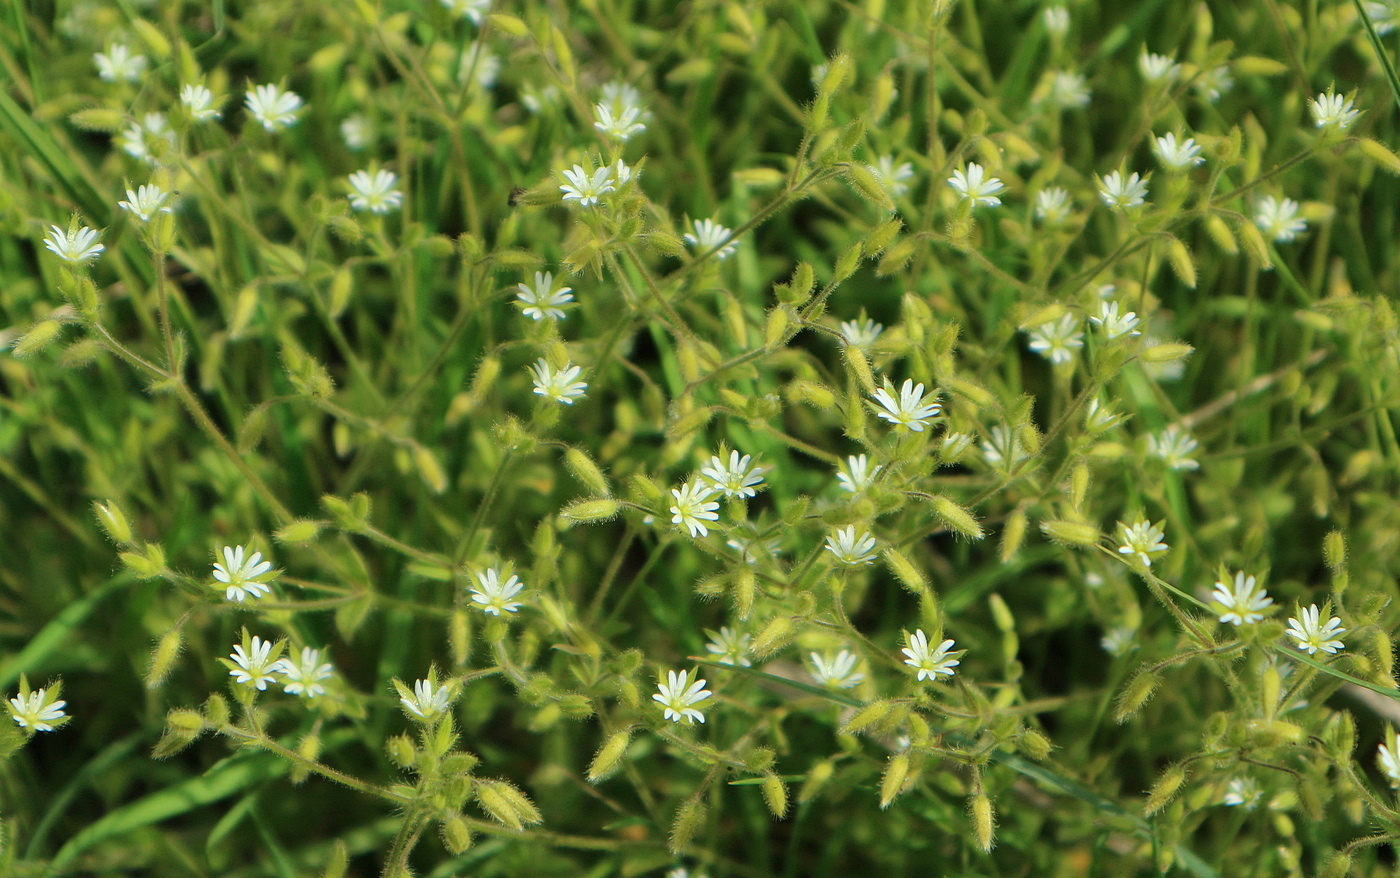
(58,634)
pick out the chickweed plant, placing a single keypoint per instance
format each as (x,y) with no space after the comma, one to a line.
(630,437)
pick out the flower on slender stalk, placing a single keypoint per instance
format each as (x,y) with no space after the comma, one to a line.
(1241,604)
(1120,193)
(254,663)
(119,65)
(1389,759)
(1052,205)
(77,245)
(1177,156)
(1242,792)
(1114,325)
(729,647)
(1173,446)
(930,663)
(472,10)
(272,106)
(892,176)
(858,474)
(586,189)
(1333,111)
(1157,68)
(1312,635)
(1279,219)
(1213,83)
(149,139)
(621,125)
(911,411)
(679,695)
(735,479)
(304,677)
(707,235)
(850,547)
(1057,341)
(559,386)
(495,596)
(146,202)
(694,507)
(862,333)
(622,173)
(836,672)
(973,184)
(1066,90)
(1141,540)
(40,710)
(1056,20)
(199,103)
(357,132)
(1119,640)
(543,300)
(428,700)
(241,576)
(375,194)
(1099,417)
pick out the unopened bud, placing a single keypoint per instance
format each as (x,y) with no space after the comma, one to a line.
(113,521)
(688,819)
(982,821)
(1135,695)
(609,756)
(1165,789)
(893,782)
(163,657)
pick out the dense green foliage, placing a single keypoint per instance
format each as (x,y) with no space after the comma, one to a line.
(915,231)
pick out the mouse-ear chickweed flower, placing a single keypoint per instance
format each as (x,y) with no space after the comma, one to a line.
(1242,792)
(1113,324)
(836,672)
(472,10)
(1241,604)
(428,700)
(930,663)
(1057,341)
(734,479)
(1388,758)
(1177,155)
(693,507)
(152,131)
(1384,14)
(862,333)
(304,677)
(493,595)
(1067,90)
(560,385)
(1213,83)
(542,300)
(892,176)
(1052,205)
(729,647)
(1003,447)
(272,106)
(621,125)
(1312,635)
(242,575)
(707,235)
(254,662)
(911,411)
(850,547)
(974,185)
(357,132)
(1056,19)
(584,188)
(145,202)
(1157,68)
(118,64)
(679,695)
(39,710)
(858,474)
(1279,218)
(375,194)
(77,245)
(199,103)
(1141,540)
(1121,193)
(1333,111)
(1173,447)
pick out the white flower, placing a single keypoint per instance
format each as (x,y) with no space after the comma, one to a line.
(862,333)
(1052,205)
(1240,605)
(584,189)
(974,185)
(624,98)
(851,548)
(119,65)
(1242,792)
(559,386)
(1141,540)
(737,478)
(136,139)
(1119,640)
(1114,325)
(76,245)
(272,106)
(678,695)
(1214,82)
(694,507)
(1067,90)
(622,173)
(1173,446)
(1057,341)
(543,300)
(836,671)
(1389,762)
(255,665)
(242,576)
(708,235)
(1099,417)
(1333,111)
(1312,635)
(199,103)
(39,710)
(730,647)
(911,411)
(953,446)
(1176,156)
(857,474)
(473,10)
(375,194)
(1003,447)
(930,662)
(357,132)
(1120,193)
(146,202)
(1279,219)
(495,596)
(479,67)
(892,176)
(1385,15)
(750,549)
(1056,20)
(427,700)
(1157,68)
(621,126)
(304,677)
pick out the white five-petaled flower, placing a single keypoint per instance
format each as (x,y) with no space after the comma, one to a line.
(255,665)
(559,386)
(272,106)
(734,479)
(77,245)
(1177,155)
(1120,193)
(357,132)
(1056,20)
(1119,640)
(1157,68)
(1067,90)
(1241,604)
(851,547)
(495,596)
(892,176)
(1279,219)
(858,474)
(751,549)
(1384,14)
(1099,417)
(1052,205)
(1215,82)
(1141,540)
(1115,325)
(1389,762)
(974,185)
(543,300)
(145,202)
(242,576)
(1333,111)
(862,333)
(199,103)
(679,695)
(375,194)
(472,10)
(621,125)
(707,235)
(953,446)
(427,700)
(930,663)
(138,138)
(1003,447)
(40,710)
(1173,446)
(586,189)
(693,507)
(911,411)
(836,671)
(729,647)
(1057,341)
(1242,792)
(119,64)
(1312,635)
(304,677)
(622,173)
